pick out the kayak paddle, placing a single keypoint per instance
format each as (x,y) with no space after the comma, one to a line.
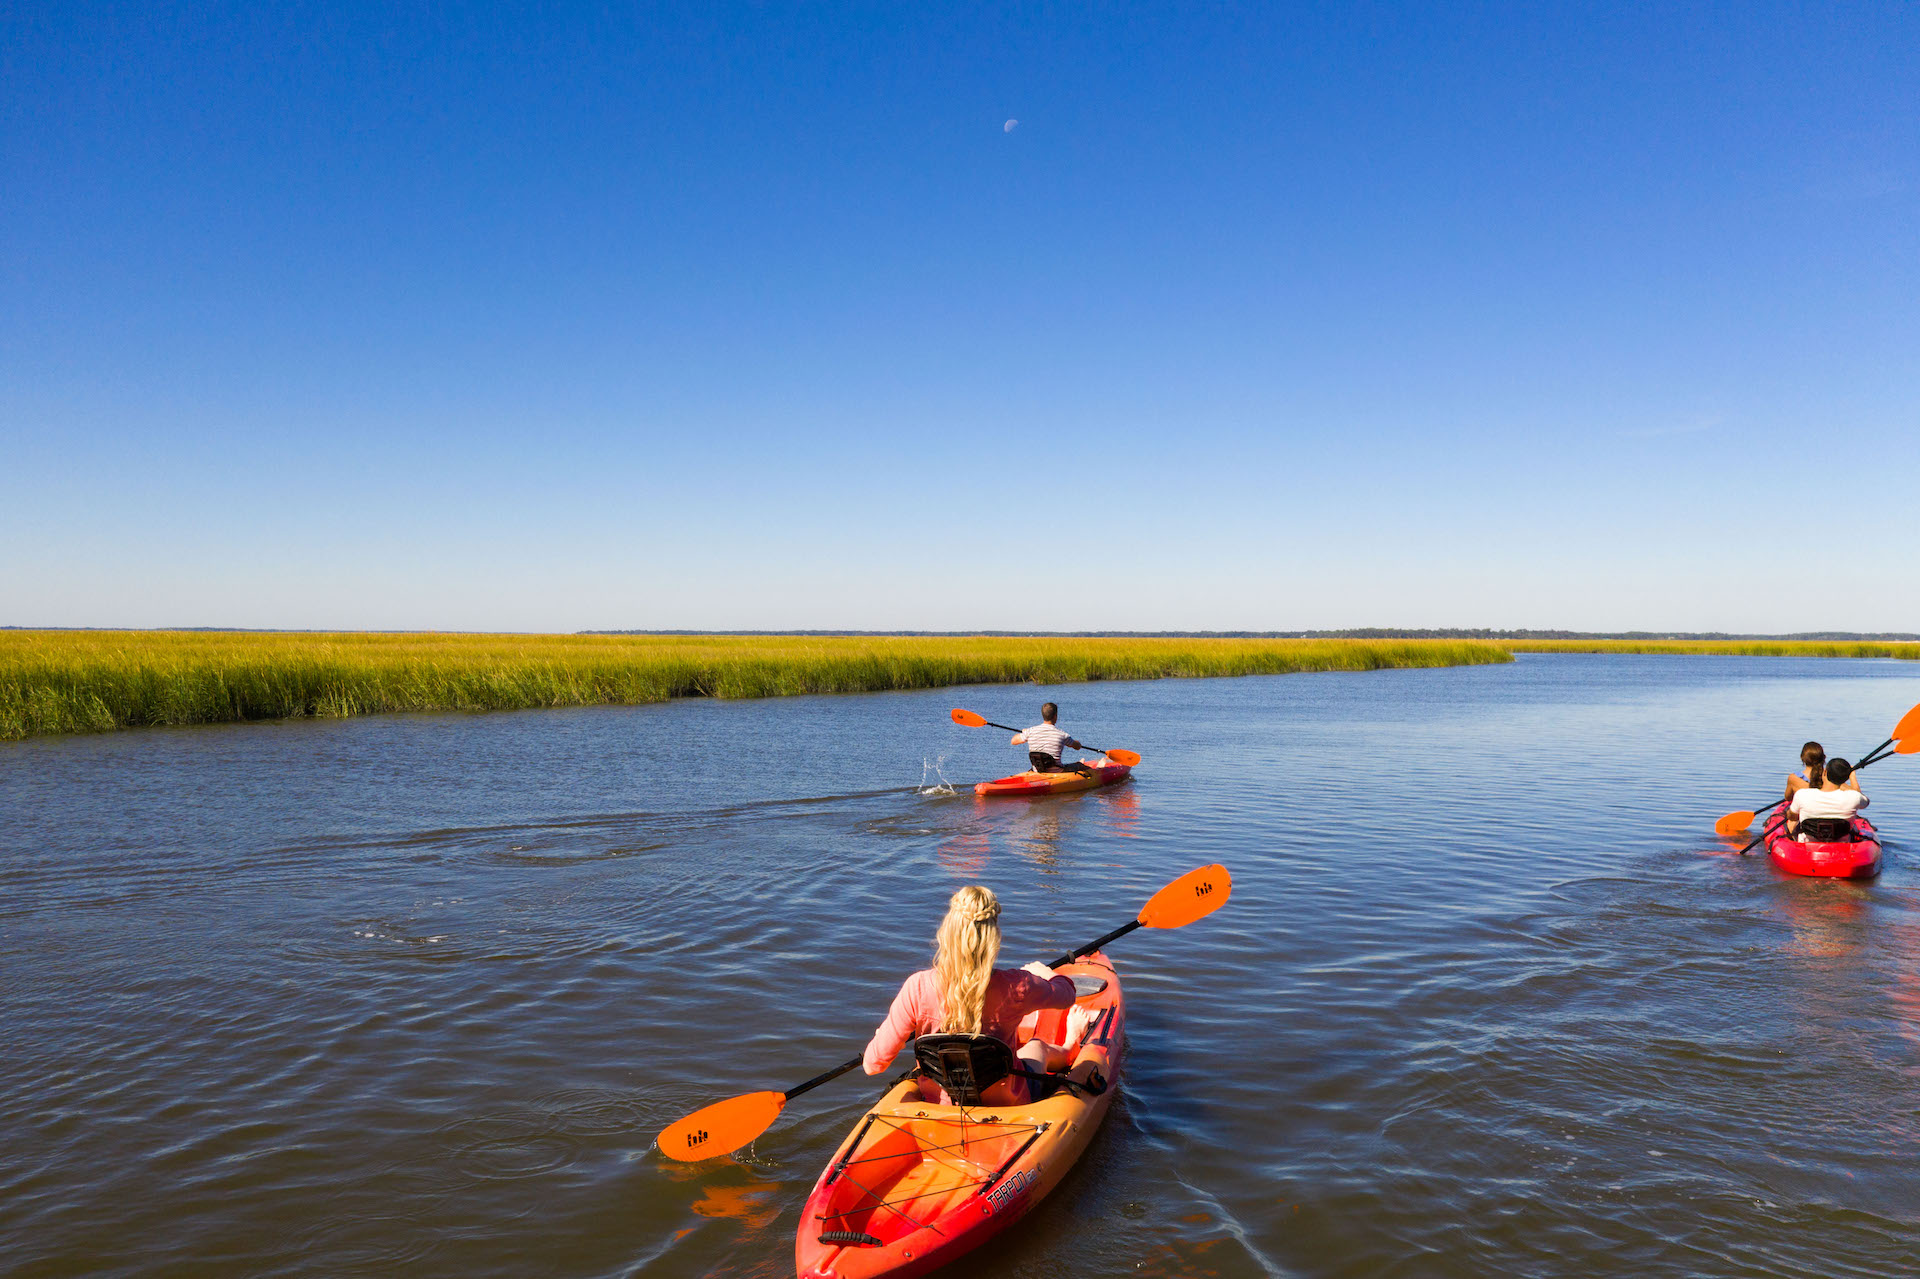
(968,718)
(1909,747)
(1906,732)
(1734,823)
(728,1125)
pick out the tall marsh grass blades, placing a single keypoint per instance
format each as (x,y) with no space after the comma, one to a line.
(92,681)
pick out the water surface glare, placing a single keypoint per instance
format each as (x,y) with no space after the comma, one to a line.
(416,992)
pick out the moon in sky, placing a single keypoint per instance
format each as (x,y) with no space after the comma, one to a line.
(1008,127)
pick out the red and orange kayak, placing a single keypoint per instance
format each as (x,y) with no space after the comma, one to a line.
(1856,858)
(1055,783)
(918,1184)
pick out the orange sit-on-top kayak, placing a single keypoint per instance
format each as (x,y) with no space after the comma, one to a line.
(1102,774)
(917,1184)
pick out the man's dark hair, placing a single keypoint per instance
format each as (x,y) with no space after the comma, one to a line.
(1838,771)
(1049,712)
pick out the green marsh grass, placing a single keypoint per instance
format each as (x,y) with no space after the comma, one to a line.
(1723,648)
(96,681)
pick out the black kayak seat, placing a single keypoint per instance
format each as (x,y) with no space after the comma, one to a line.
(965,1066)
(1828,830)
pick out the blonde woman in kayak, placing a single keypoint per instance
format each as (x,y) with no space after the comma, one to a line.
(963,993)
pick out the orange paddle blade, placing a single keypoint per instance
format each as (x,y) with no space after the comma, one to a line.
(1908,727)
(1909,747)
(969,718)
(1129,758)
(1733,823)
(1194,895)
(723,1126)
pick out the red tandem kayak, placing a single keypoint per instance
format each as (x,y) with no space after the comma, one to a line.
(1855,858)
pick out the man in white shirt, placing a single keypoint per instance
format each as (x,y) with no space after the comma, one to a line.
(1046,744)
(1840,798)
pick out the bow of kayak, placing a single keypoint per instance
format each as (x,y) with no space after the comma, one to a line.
(1054,783)
(917,1184)
(1857,858)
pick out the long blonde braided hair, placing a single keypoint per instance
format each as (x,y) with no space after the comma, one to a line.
(969,943)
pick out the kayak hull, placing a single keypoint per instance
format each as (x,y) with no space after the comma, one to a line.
(917,1185)
(1031,784)
(1857,858)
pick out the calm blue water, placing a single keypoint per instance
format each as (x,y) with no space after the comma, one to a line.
(1489,997)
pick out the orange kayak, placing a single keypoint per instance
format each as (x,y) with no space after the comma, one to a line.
(1054,783)
(918,1184)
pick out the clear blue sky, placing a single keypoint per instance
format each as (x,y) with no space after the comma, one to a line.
(761,316)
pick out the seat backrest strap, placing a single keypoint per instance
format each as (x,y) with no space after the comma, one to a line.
(1827,830)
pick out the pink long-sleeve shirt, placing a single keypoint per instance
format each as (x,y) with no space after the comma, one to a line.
(1012,993)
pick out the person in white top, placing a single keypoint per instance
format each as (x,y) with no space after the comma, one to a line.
(1837,796)
(1046,744)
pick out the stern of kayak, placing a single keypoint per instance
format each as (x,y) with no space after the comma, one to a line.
(1857,858)
(1054,783)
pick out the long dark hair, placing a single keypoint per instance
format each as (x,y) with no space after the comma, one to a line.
(1814,756)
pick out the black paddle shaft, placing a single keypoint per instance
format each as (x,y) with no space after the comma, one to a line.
(1873,756)
(1092,946)
(826,1078)
(1766,832)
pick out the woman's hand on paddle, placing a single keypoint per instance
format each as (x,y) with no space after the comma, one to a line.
(1039,970)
